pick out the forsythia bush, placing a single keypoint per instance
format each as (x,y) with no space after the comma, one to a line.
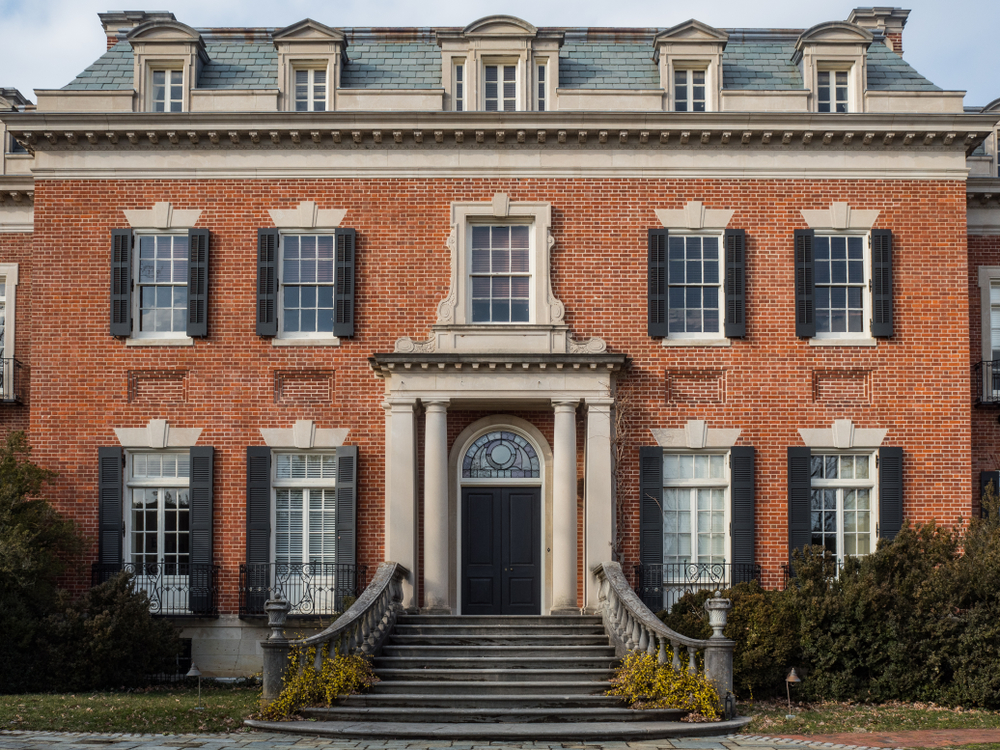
(643,683)
(305,686)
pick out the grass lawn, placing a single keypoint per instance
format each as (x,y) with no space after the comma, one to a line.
(164,708)
(836,718)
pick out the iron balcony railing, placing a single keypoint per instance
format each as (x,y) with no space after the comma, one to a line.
(986,382)
(660,586)
(177,590)
(312,588)
(11,380)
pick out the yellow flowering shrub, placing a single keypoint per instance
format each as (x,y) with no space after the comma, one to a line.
(642,683)
(304,685)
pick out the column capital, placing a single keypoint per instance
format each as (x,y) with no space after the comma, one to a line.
(600,404)
(399,404)
(436,404)
(565,404)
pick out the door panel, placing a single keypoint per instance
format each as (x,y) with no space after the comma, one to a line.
(481,551)
(521,551)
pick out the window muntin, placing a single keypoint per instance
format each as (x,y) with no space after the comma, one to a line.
(162,279)
(541,83)
(843,503)
(689,90)
(500,277)
(995,320)
(694,285)
(501,455)
(305,510)
(168,90)
(460,87)
(310,89)
(307,278)
(3,318)
(694,508)
(159,513)
(831,90)
(840,283)
(500,89)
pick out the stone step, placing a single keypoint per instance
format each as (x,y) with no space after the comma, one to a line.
(496,688)
(494,716)
(497,631)
(507,651)
(453,698)
(501,662)
(495,675)
(494,620)
(486,640)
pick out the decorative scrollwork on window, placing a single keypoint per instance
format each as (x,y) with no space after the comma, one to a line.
(500,455)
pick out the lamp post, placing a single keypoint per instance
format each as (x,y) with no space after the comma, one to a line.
(193,672)
(793,678)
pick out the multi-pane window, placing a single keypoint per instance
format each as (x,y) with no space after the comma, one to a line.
(304,508)
(3,317)
(840,284)
(310,90)
(540,82)
(500,88)
(460,87)
(689,90)
(307,285)
(995,321)
(501,276)
(694,284)
(159,513)
(162,281)
(168,90)
(831,90)
(842,503)
(694,509)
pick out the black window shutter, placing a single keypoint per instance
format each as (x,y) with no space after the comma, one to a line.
(121,282)
(343,302)
(659,318)
(736,293)
(109,508)
(267,282)
(805,289)
(200,599)
(890,492)
(985,477)
(799,494)
(258,527)
(742,499)
(651,526)
(881,283)
(197,322)
(347,504)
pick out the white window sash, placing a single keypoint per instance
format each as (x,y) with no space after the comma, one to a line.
(137,330)
(280,306)
(865,286)
(708,483)
(843,486)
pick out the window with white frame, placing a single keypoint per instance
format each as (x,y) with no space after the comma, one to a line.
(500,87)
(167,90)
(689,90)
(159,513)
(304,488)
(8,366)
(695,511)
(307,286)
(460,87)
(500,273)
(832,90)
(541,83)
(994,330)
(841,284)
(842,503)
(694,293)
(161,305)
(310,89)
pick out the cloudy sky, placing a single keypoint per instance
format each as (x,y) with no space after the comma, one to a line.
(46,42)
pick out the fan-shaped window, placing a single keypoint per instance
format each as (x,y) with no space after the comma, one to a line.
(500,455)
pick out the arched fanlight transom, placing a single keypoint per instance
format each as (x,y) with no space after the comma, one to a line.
(500,455)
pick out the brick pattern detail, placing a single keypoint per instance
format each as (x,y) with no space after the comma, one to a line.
(842,387)
(157,386)
(303,387)
(694,387)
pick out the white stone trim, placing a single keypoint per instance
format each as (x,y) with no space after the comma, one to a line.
(304,435)
(328,341)
(695,216)
(844,342)
(669,341)
(162,216)
(180,341)
(840,217)
(157,434)
(307,216)
(696,435)
(987,275)
(843,435)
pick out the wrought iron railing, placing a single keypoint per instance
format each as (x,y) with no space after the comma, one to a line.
(11,380)
(173,589)
(660,586)
(986,382)
(310,588)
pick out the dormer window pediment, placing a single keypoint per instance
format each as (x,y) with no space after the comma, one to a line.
(168,56)
(310,60)
(500,26)
(833,58)
(308,30)
(690,59)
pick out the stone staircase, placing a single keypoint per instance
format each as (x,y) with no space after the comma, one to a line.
(492,670)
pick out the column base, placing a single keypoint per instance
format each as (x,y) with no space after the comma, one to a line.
(572,611)
(435,610)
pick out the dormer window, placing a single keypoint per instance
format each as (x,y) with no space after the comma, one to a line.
(689,56)
(310,60)
(500,88)
(167,90)
(460,87)
(689,90)
(166,59)
(832,90)
(310,89)
(833,57)
(541,84)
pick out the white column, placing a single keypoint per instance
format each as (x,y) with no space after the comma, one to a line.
(401,491)
(564,509)
(436,556)
(598,497)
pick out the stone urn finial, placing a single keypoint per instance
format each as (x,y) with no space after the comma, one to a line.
(718,610)
(277,612)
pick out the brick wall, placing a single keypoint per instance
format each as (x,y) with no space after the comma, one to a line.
(769,384)
(984,250)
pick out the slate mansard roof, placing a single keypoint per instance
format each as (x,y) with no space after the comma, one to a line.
(588,59)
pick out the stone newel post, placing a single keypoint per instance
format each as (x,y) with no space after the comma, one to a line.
(275,649)
(719,652)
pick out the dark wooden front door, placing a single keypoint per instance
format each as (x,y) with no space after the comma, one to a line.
(501,550)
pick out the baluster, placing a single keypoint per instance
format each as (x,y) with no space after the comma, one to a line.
(676,648)
(318,661)
(662,658)
(633,640)
(651,643)
(692,668)
(643,638)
